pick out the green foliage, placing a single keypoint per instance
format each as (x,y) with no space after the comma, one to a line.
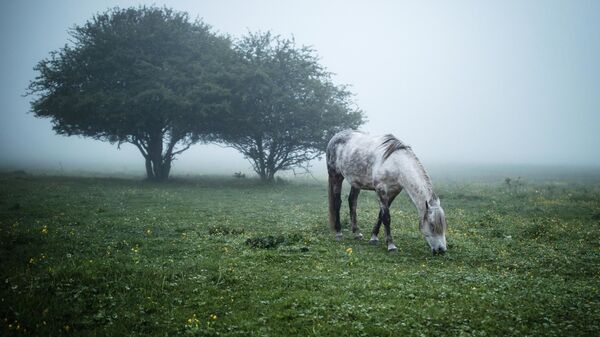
(224,230)
(119,257)
(272,241)
(285,107)
(151,77)
(265,242)
(147,76)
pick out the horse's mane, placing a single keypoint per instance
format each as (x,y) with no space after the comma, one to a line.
(439,221)
(392,144)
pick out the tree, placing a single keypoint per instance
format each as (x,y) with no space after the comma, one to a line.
(146,76)
(284,106)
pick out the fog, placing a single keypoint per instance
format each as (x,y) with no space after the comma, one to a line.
(462,82)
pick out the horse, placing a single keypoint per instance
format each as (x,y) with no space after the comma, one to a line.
(386,165)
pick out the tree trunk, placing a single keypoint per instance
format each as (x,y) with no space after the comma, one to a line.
(271,176)
(165,169)
(160,165)
(159,170)
(267,175)
(267,178)
(149,172)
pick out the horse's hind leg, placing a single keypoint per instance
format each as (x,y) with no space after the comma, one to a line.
(335,202)
(352,201)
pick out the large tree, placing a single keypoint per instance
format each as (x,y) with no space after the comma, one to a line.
(147,76)
(284,105)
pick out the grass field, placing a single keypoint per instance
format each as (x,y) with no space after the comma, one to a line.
(223,256)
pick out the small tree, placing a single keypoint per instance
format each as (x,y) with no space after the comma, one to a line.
(284,106)
(146,76)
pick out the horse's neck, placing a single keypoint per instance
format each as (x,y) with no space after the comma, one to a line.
(417,185)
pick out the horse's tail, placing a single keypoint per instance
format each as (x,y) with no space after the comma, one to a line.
(335,178)
(332,212)
(331,181)
(334,190)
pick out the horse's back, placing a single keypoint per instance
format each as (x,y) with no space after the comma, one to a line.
(352,154)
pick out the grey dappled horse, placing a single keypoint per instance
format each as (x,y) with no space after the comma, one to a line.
(387,166)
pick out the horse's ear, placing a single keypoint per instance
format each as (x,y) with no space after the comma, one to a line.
(433,202)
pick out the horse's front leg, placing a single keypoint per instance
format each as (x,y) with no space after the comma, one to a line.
(385,218)
(352,201)
(375,232)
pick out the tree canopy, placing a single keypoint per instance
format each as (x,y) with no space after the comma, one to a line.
(154,78)
(284,106)
(147,76)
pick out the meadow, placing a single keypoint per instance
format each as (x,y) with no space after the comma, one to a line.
(209,256)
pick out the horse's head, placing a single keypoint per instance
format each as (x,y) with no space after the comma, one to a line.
(433,226)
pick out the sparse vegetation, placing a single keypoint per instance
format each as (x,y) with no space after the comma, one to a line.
(226,256)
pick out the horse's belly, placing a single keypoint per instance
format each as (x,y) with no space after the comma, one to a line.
(359,174)
(363,184)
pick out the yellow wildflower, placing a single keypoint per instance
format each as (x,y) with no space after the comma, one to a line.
(349,251)
(193,321)
(45,230)
(213,317)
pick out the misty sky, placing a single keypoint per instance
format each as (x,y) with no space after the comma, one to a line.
(461,81)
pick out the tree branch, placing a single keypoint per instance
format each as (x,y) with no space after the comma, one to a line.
(141,146)
(181,150)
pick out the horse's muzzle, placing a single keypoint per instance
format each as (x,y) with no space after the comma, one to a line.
(439,251)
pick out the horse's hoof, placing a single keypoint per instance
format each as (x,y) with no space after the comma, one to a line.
(358,236)
(392,249)
(338,237)
(374,242)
